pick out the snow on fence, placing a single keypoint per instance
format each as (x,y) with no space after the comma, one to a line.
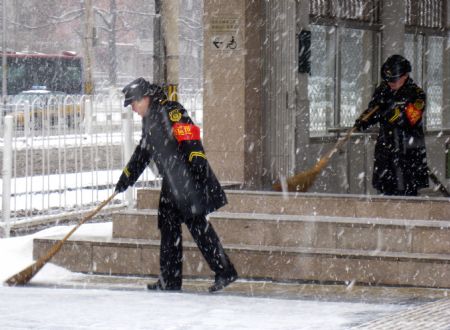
(68,153)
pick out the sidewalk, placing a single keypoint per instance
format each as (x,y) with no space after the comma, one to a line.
(435,315)
(324,306)
(281,290)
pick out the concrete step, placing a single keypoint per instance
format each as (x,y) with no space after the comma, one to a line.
(347,233)
(357,206)
(107,255)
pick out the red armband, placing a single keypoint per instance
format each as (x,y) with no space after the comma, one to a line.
(413,112)
(186,132)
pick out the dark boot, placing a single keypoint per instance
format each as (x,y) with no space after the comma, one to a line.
(223,280)
(159,286)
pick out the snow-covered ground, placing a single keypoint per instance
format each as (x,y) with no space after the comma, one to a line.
(38,307)
(43,308)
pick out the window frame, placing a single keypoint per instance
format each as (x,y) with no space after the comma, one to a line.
(375,58)
(333,120)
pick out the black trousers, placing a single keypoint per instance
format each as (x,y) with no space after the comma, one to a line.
(171,250)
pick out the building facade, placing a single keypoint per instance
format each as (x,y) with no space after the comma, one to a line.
(280,109)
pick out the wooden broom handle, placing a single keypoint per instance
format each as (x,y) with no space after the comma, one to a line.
(55,248)
(26,274)
(340,142)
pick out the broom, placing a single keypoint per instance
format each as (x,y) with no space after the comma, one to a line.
(304,180)
(24,276)
(439,185)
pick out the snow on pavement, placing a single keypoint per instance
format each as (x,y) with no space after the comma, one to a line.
(34,307)
(44,308)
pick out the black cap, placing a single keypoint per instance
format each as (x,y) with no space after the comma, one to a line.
(139,88)
(395,67)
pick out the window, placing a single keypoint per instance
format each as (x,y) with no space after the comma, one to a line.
(426,56)
(321,86)
(342,74)
(434,81)
(56,72)
(414,54)
(356,67)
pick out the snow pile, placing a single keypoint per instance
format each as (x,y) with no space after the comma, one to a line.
(16,253)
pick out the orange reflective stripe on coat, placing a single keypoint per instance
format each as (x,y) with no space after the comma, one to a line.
(186,132)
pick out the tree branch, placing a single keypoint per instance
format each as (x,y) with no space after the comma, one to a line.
(104,15)
(53,23)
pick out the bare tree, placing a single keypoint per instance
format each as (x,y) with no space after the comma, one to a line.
(55,25)
(122,24)
(119,23)
(45,25)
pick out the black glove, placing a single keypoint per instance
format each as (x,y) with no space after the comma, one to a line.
(124,181)
(360,123)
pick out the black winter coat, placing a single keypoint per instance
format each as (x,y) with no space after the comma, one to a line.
(400,166)
(171,139)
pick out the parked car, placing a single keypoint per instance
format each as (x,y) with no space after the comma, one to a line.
(45,108)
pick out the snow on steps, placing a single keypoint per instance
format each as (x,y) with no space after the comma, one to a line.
(358,206)
(284,241)
(392,235)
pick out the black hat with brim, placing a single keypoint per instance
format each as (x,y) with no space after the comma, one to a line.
(135,91)
(395,67)
(139,88)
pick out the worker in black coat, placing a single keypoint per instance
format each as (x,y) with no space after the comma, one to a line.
(190,190)
(400,166)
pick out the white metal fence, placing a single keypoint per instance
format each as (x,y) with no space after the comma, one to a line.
(68,153)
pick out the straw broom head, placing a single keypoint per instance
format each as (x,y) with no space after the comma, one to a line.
(304,180)
(25,275)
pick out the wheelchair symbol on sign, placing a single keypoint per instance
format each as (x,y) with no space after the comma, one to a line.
(232,44)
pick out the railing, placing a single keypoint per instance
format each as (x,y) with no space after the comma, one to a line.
(68,154)
(425,13)
(364,11)
(418,13)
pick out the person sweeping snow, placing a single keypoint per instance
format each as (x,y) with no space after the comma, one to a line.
(400,166)
(190,189)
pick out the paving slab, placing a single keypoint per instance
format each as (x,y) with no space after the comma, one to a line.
(434,315)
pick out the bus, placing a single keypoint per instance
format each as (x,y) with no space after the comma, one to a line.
(57,72)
